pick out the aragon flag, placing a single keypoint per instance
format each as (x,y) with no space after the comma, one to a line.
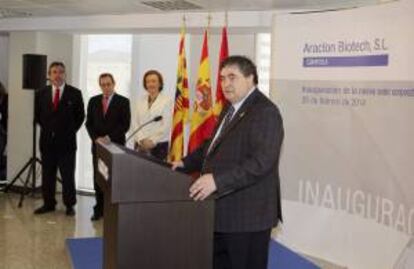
(181,105)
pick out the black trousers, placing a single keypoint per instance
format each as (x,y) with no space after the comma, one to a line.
(3,143)
(99,196)
(53,160)
(247,250)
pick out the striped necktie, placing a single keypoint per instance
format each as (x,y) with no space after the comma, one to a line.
(226,122)
(105,104)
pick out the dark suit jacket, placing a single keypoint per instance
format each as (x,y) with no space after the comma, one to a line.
(4,106)
(115,123)
(58,128)
(244,162)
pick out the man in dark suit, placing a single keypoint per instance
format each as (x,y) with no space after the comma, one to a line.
(59,111)
(4,106)
(108,119)
(240,165)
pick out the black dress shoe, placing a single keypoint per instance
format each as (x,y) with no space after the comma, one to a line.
(96,216)
(44,209)
(70,211)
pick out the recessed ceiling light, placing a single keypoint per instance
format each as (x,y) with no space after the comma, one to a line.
(9,13)
(172,5)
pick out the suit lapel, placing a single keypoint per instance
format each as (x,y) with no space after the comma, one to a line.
(49,97)
(64,96)
(240,114)
(99,107)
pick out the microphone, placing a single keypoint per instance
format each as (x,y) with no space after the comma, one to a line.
(155,119)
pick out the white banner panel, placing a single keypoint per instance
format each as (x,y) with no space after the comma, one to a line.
(345,86)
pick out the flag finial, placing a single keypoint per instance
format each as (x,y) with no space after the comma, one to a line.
(184,20)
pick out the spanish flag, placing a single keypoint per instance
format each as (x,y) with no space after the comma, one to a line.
(224,53)
(202,120)
(181,105)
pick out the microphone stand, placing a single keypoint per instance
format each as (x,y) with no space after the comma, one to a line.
(158,118)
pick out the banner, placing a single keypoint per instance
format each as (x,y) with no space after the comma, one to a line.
(345,85)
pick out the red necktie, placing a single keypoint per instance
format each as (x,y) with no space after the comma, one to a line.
(56,99)
(105,104)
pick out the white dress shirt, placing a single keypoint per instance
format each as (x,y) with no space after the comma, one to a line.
(236,108)
(155,131)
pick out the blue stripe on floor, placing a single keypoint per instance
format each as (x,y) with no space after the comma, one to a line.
(86,253)
(284,258)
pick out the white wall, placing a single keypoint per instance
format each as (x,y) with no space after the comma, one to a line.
(20,103)
(4,59)
(57,47)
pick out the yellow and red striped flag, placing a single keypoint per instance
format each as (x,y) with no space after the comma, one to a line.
(202,120)
(181,105)
(224,53)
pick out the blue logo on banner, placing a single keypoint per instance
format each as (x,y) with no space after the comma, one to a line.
(346,61)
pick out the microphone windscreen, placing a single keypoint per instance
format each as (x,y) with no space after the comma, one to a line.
(157,118)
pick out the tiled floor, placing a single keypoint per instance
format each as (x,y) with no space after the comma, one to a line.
(33,242)
(38,242)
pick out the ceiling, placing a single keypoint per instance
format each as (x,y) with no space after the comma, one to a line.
(45,8)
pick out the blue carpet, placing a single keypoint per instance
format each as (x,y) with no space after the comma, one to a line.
(284,258)
(86,253)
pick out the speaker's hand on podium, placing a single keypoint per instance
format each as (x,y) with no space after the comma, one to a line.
(147,144)
(203,187)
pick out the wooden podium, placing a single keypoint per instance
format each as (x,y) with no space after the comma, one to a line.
(149,220)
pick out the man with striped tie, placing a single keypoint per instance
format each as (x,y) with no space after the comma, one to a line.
(108,119)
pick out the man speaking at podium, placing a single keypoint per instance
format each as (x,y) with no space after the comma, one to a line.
(240,165)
